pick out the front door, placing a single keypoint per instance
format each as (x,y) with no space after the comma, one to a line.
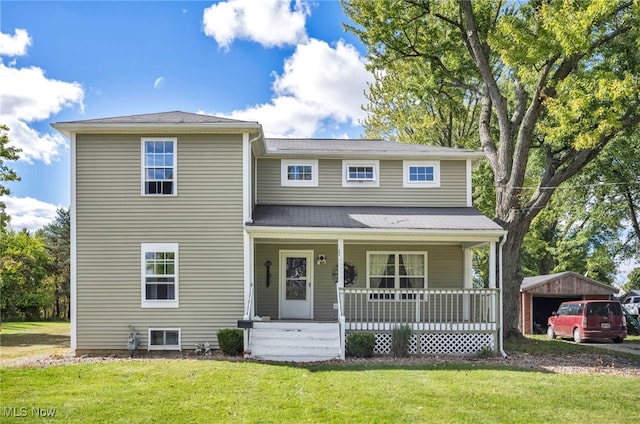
(296,284)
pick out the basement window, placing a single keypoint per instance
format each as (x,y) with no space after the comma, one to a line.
(164,339)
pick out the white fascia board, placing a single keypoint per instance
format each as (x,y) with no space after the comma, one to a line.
(67,128)
(376,234)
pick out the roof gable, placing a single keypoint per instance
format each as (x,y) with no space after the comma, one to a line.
(164,122)
(538,281)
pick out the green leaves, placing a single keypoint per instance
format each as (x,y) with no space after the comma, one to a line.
(7,152)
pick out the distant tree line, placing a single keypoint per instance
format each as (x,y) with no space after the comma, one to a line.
(35,272)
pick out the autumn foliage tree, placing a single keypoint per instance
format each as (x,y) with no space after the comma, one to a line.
(551,77)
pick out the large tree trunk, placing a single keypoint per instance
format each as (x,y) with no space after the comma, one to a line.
(512,279)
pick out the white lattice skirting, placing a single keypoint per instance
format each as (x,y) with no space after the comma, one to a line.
(439,343)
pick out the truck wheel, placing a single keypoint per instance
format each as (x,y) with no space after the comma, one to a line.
(617,339)
(550,333)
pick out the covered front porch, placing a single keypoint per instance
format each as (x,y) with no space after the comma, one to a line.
(299,307)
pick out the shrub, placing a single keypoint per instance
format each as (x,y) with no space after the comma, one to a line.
(486,352)
(400,338)
(361,344)
(231,341)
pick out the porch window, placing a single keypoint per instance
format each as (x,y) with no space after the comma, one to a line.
(299,173)
(360,173)
(159,166)
(390,270)
(421,174)
(164,339)
(160,275)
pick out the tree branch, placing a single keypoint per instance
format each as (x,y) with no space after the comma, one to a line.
(503,166)
(632,211)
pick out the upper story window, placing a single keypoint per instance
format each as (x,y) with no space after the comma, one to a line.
(421,174)
(160,275)
(299,173)
(360,173)
(159,166)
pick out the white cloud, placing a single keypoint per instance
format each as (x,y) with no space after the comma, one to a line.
(15,45)
(271,23)
(35,146)
(319,83)
(29,96)
(29,213)
(159,83)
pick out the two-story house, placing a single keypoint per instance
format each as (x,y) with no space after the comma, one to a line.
(183,224)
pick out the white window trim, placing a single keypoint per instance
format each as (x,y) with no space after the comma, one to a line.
(284,166)
(159,247)
(164,347)
(416,184)
(175,165)
(396,275)
(346,182)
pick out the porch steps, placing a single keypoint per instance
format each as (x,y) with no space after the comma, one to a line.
(295,341)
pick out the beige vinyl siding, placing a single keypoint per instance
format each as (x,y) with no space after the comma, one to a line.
(324,289)
(451,193)
(445,270)
(114,219)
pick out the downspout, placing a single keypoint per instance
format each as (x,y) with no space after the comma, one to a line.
(500,280)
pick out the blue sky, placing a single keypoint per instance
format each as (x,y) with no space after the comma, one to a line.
(289,65)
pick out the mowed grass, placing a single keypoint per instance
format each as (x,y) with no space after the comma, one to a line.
(19,339)
(211,391)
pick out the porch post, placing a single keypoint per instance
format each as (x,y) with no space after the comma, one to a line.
(248,308)
(467,283)
(492,265)
(341,263)
(340,284)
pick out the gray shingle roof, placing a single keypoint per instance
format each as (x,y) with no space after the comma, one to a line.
(175,117)
(360,147)
(374,217)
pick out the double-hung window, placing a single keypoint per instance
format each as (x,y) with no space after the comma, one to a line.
(421,174)
(391,270)
(160,275)
(299,173)
(159,166)
(360,173)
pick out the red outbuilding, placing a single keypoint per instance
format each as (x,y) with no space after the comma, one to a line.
(541,295)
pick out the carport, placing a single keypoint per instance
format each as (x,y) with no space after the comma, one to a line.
(542,294)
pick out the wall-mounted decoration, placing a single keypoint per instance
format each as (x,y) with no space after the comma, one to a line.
(268,266)
(350,274)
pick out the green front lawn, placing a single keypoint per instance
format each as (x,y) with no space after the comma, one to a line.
(207,391)
(185,391)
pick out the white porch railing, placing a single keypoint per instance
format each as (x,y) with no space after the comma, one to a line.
(464,310)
